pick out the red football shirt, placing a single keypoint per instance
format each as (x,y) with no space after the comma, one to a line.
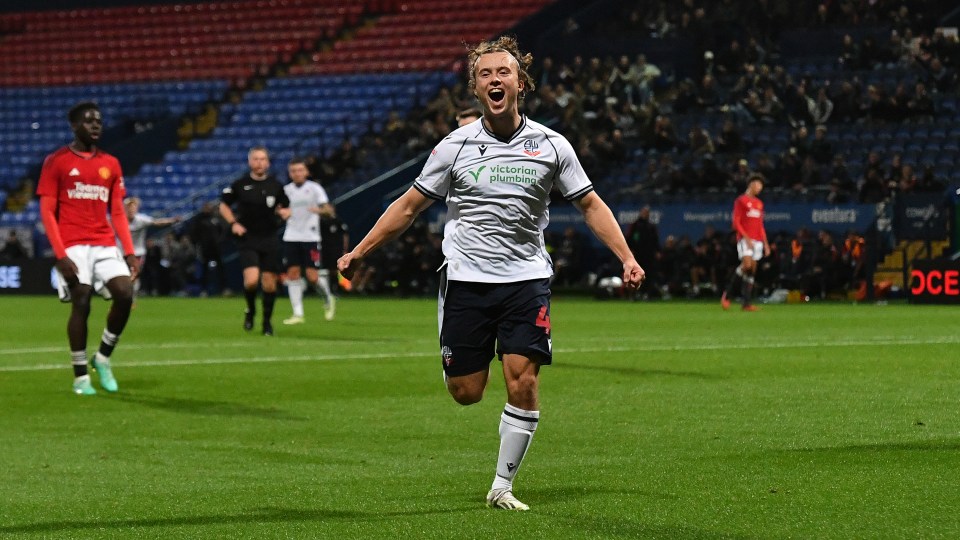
(84,187)
(748,218)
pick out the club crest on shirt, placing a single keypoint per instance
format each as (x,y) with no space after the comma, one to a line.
(531,148)
(104,173)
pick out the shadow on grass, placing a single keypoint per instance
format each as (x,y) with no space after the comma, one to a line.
(637,372)
(258,516)
(206,407)
(935,445)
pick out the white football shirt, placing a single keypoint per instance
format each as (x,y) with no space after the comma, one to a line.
(304,225)
(138,231)
(497,194)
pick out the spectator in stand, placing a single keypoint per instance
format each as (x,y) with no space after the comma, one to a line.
(820,148)
(729,140)
(702,273)
(647,76)
(623,82)
(664,137)
(568,259)
(334,242)
(770,108)
(929,182)
(672,283)
(798,106)
(699,141)
(395,130)
(821,108)
(824,272)
(178,256)
(800,141)
(13,250)
(920,104)
(849,53)
(741,174)
(643,238)
(465,117)
(731,60)
(207,232)
(708,95)
(847,106)
(872,189)
(799,260)
(852,259)
(686,97)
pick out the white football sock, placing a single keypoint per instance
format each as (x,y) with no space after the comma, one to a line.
(295,291)
(322,286)
(517,427)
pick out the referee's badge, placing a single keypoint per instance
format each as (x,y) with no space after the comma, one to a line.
(271,200)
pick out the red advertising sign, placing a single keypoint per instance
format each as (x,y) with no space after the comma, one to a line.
(935,282)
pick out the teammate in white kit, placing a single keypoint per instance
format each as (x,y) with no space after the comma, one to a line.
(301,240)
(495,175)
(139,224)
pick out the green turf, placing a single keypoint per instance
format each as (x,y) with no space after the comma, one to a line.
(660,420)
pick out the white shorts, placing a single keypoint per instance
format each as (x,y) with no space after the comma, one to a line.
(750,248)
(96,265)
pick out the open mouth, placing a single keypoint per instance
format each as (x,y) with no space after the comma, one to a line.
(497,95)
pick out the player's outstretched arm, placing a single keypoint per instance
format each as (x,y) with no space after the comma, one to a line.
(604,225)
(396,219)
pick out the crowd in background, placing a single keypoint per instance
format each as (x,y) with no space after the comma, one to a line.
(687,134)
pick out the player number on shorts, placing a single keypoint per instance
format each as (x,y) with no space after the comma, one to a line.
(543,319)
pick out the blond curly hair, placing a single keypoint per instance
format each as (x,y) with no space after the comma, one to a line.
(509,45)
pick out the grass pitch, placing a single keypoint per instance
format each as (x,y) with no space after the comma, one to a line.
(659,420)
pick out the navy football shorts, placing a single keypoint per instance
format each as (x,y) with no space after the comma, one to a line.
(301,254)
(478,320)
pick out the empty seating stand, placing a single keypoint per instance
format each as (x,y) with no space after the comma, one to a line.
(222,40)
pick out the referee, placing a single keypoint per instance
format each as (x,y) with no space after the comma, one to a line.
(254,206)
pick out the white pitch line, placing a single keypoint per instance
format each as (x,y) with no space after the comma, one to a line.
(380,356)
(170,345)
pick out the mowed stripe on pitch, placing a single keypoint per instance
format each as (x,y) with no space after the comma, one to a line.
(883,342)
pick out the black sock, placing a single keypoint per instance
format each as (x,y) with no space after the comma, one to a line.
(107,342)
(79,361)
(268,299)
(251,295)
(747,290)
(733,283)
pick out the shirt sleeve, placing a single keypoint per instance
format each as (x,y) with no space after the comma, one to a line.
(434,179)
(48,185)
(322,197)
(282,200)
(229,193)
(118,213)
(571,179)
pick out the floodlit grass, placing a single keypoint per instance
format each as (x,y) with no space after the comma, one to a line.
(661,420)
